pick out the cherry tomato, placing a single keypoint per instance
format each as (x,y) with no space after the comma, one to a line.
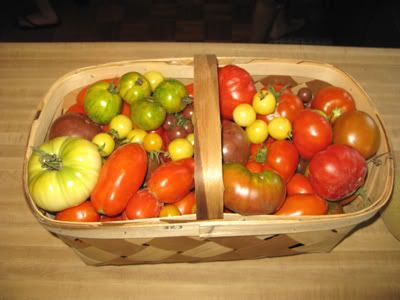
(257,132)
(333,101)
(244,114)
(154,78)
(190,138)
(235,87)
(84,212)
(105,143)
(264,102)
(152,142)
(173,180)
(283,157)
(186,204)
(142,205)
(299,184)
(180,148)
(303,205)
(169,210)
(136,135)
(280,128)
(120,126)
(289,106)
(337,172)
(120,177)
(358,130)
(311,133)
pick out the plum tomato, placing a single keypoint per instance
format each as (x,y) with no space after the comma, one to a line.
(311,133)
(333,101)
(337,172)
(303,205)
(84,212)
(358,130)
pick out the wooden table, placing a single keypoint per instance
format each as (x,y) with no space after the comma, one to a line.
(36,265)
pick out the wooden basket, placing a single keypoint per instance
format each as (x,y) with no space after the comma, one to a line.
(211,235)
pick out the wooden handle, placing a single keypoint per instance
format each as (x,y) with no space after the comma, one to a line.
(207,127)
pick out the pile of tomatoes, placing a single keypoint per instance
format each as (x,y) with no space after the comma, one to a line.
(125,149)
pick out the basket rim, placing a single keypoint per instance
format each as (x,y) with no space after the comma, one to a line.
(326,220)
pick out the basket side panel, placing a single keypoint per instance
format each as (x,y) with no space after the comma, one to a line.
(101,252)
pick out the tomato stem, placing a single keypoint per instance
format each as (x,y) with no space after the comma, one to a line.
(49,161)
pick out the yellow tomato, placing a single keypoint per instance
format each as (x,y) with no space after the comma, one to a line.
(155,78)
(120,125)
(105,143)
(190,138)
(136,136)
(152,142)
(180,148)
(280,128)
(264,102)
(257,132)
(169,210)
(244,114)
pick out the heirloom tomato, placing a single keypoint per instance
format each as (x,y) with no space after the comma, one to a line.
(303,205)
(172,95)
(147,114)
(333,101)
(250,193)
(311,133)
(358,130)
(121,176)
(133,86)
(102,102)
(80,98)
(173,180)
(63,172)
(142,205)
(236,86)
(299,184)
(283,157)
(289,106)
(84,212)
(337,172)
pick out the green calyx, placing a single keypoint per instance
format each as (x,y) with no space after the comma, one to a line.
(48,161)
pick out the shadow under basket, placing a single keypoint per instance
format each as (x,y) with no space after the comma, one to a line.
(211,235)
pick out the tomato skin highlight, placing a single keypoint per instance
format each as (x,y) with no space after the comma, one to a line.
(236,86)
(303,205)
(337,172)
(120,177)
(311,133)
(172,181)
(84,212)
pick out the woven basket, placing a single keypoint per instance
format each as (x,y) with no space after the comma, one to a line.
(211,235)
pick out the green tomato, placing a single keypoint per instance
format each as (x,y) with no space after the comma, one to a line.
(63,172)
(133,86)
(172,95)
(147,114)
(102,103)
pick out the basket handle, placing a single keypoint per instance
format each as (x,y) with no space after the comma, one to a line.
(209,186)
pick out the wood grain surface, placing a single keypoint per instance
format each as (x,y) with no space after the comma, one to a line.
(36,265)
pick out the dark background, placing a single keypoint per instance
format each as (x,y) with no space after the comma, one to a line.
(328,22)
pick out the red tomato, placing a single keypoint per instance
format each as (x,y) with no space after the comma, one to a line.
(77,107)
(283,157)
(299,184)
(187,204)
(311,133)
(337,172)
(289,106)
(254,167)
(126,109)
(333,101)
(303,205)
(235,87)
(84,212)
(189,89)
(173,180)
(142,205)
(80,98)
(120,177)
